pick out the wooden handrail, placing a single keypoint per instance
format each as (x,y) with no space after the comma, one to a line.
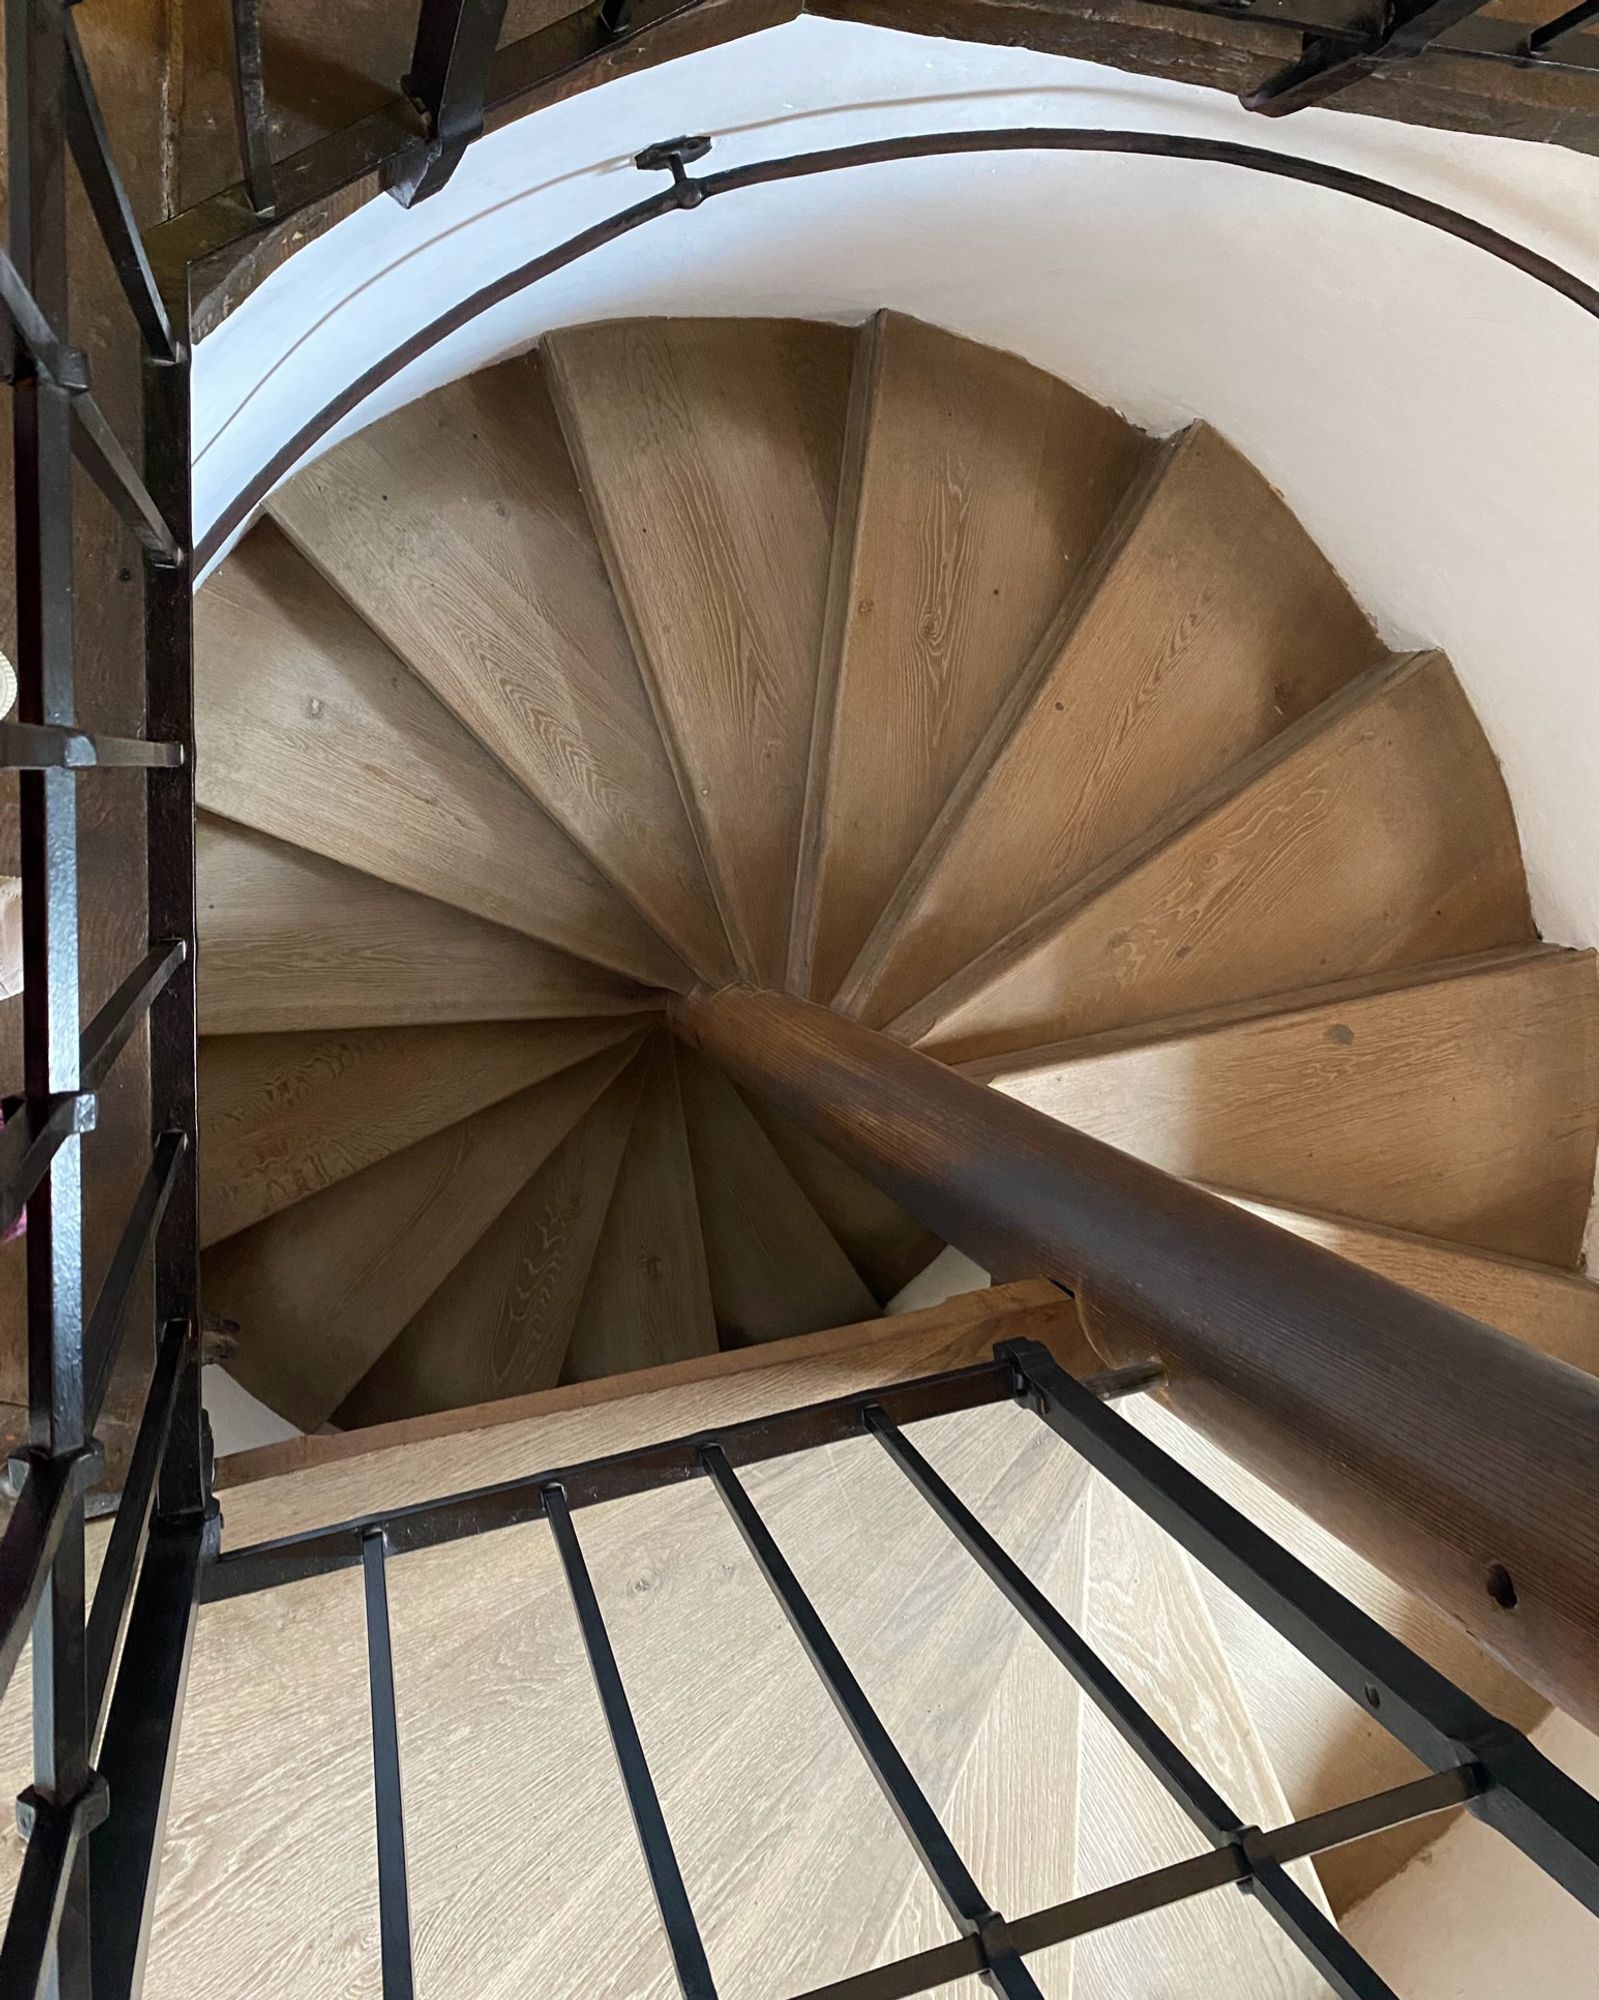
(1458,1460)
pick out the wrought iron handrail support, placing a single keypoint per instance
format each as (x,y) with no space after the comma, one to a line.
(109,1671)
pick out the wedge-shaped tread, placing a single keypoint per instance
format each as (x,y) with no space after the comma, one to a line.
(1550,1309)
(1012,1811)
(321,1289)
(1146,1613)
(648,1297)
(974,489)
(1323,1747)
(1463,1105)
(289,940)
(775,1267)
(284,1116)
(310,729)
(1373,833)
(456,529)
(709,452)
(1212,623)
(500,1322)
(885,1244)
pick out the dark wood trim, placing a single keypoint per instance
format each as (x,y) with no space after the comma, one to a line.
(1445,1452)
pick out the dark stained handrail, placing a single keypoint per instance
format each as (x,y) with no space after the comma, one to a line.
(1447,1453)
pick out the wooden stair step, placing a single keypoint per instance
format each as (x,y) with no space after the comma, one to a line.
(648,1298)
(284,1116)
(289,940)
(775,1267)
(975,488)
(930,1640)
(1208,622)
(1553,1310)
(885,1244)
(1458,1101)
(1375,832)
(1012,1810)
(312,730)
(1147,1615)
(455,527)
(709,453)
(1323,1748)
(321,1289)
(499,1324)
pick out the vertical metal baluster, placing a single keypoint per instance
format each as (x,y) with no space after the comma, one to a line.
(666,1879)
(1005,1972)
(42,469)
(169,844)
(394,1899)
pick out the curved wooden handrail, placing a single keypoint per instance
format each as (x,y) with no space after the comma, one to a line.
(1450,1455)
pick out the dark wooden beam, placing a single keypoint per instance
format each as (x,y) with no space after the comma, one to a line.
(1452,1456)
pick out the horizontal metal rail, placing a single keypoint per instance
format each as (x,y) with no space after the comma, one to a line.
(1528,1799)
(691,191)
(38,746)
(1223,1867)
(425,1524)
(1339,1963)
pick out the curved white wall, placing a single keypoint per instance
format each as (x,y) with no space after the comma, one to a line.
(1433,416)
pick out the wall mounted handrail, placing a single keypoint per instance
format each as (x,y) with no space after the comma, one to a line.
(689,191)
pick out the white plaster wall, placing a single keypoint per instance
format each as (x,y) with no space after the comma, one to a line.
(1472,1919)
(1431,415)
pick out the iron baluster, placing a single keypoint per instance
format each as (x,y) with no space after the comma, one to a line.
(394,1896)
(660,1858)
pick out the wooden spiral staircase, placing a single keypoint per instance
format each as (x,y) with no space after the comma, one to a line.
(881,668)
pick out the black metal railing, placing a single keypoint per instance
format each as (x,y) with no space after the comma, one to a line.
(1474,1759)
(108,1666)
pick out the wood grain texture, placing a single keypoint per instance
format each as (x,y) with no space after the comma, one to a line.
(1332,1382)
(775,1267)
(291,941)
(981,489)
(278,1488)
(1462,1104)
(456,529)
(1146,1614)
(709,452)
(647,1302)
(1323,1748)
(1209,622)
(887,1246)
(284,1116)
(1012,1810)
(310,729)
(499,1323)
(320,1289)
(771,1810)
(1374,833)
(1550,1309)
